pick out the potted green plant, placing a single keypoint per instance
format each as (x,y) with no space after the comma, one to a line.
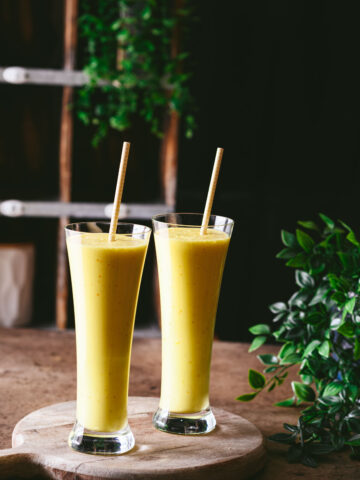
(319,329)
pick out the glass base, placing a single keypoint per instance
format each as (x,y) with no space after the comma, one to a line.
(101,443)
(184,423)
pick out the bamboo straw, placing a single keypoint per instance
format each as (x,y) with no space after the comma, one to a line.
(119,190)
(211,192)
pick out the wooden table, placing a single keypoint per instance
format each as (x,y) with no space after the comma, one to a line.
(37,368)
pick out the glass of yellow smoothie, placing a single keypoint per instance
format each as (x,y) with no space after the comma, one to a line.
(190,266)
(105,277)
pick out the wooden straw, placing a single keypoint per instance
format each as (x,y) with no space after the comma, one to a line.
(211,192)
(119,190)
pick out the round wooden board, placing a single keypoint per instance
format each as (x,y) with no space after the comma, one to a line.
(234,450)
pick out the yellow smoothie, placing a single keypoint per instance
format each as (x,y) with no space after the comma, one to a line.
(190,272)
(105,279)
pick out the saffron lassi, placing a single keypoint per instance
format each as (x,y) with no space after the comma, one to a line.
(105,280)
(190,269)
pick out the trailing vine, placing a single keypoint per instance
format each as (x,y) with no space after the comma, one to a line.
(130,66)
(319,329)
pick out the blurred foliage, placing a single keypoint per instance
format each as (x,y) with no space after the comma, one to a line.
(128,47)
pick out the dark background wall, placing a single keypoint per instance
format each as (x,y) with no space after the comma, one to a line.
(276,84)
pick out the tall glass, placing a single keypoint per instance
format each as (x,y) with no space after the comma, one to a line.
(190,269)
(105,279)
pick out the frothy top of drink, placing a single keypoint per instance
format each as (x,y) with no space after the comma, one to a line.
(101,240)
(192,234)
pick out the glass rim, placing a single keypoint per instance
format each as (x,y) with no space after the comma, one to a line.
(144,228)
(226,220)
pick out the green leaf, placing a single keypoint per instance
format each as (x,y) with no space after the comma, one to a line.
(298,262)
(293,358)
(332,388)
(354,425)
(303,392)
(288,239)
(287,349)
(287,438)
(287,253)
(291,428)
(331,400)
(315,270)
(303,279)
(350,305)
(352,239)
(319,295)
(307,379)
(279,333)
(304,240)
(146,13)
(272,386)
(351,235)
(289,402)
(328,222)
(311,347)
(278,307)
(299,299)
(335,323)
(339,298)
(338,283)
(256,379)
(347,329)
(247,397)
(256,343)
(357,349)
(270,369)
(279,316)
(345,225)
(325,243)
(268,359)
(260,329)
(310,225)
(345,259)
(324,349)
(353,391)
(354,441)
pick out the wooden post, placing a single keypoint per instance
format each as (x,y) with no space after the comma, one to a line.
(169,145)
(65,158)
(169,159)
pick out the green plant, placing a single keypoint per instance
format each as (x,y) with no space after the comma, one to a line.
(130,65)
(319,328)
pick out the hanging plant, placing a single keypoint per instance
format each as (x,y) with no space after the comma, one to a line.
(319,328)
(131,66)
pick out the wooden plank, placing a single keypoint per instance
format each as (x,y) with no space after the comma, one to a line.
(52,77)
(40,76)
(65,158)
(17,208)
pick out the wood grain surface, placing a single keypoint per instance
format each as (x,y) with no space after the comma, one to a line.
(37,368)
(234,450)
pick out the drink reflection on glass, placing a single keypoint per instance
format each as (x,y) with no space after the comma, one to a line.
(190,266)
(106,278)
